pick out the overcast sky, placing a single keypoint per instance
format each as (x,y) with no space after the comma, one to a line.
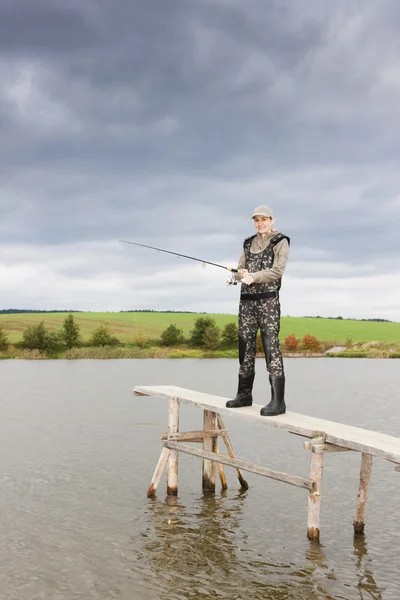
(167,121)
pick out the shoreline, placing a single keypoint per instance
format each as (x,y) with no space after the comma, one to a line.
(123,352)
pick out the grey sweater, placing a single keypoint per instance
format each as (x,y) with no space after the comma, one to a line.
(281,252)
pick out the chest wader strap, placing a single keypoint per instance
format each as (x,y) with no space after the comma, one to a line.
(260,296)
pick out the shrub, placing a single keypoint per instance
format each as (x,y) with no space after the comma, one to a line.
(4,343)
(36,337)
(230,334)
(140,341)
(310,343)
(200,326)
(172,336)
(291,343)
(70,332)
(211,337)
(54,342)
(103,337)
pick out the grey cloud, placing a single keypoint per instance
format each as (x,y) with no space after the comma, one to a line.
(169,121)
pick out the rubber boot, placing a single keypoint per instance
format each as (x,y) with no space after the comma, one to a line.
(277,405)
(243,396)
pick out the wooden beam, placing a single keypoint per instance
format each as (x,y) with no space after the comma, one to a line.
(309,445)
(224,484)
(365,476)
(229,448)
(191,436)
(162,461)
(314,499)
(173,427)
(241,464)
(333,448)
(209,445)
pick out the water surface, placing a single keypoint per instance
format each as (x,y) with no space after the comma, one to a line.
(78,452)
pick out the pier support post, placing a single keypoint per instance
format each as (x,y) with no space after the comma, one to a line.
(210,445)
(224,484)
(314,499)
(172,468)
(365,476)
(162,461)
(224,434)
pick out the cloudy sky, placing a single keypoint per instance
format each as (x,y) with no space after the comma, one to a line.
(167,121)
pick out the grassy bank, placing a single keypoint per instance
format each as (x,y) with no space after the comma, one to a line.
(376,350)
(128,326)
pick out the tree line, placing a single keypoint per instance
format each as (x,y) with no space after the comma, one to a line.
(205,335)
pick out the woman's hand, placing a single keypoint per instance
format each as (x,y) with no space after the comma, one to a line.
(247,279)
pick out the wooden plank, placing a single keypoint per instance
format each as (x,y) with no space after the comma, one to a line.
(173,427)
(333,448)
(314,499)
(191,436)
(327,447)
(162,461)
(210,446)
(224,484)
(365,476)
(338,434)
(229,448)
(241,464)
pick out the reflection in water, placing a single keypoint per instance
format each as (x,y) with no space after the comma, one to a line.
(203,552)
(366,584)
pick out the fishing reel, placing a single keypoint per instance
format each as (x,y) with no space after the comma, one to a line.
(232,280)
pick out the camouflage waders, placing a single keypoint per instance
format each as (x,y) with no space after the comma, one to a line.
(259,308)
(263,314)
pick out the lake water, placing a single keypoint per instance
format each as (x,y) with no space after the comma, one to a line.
(78,451)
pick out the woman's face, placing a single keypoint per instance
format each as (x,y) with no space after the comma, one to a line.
(262,224)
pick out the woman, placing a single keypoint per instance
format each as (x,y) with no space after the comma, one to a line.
(260,269)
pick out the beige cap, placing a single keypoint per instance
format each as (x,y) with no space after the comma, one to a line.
(263,211)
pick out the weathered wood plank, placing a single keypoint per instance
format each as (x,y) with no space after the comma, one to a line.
(224,484)
(327,447)
(162,461)
(314,499)
(210,446)
(365,476)
(229,448)
(173,427)
(191,436)
(338,434)
(241,464)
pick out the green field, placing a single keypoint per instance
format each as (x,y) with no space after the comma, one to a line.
(127,326)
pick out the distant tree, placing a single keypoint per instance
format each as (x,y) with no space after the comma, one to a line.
(310,343)
(291,343)
(103,337)
(70,332)
(36,337)
(230,334)
(172,335)
(200,326)
(4,343)
(211,337)
(54,342)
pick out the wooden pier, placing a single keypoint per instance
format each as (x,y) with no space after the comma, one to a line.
(323,436)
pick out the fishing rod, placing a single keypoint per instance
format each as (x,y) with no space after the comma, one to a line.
(204,262)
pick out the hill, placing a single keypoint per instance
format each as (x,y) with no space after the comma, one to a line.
(127,325)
